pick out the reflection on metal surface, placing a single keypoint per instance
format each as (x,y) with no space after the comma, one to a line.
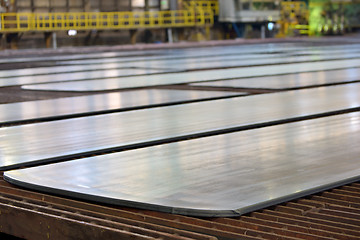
(197,76)
(42,142)
(99,103)
(237,51)
(260,167)
(290,80)
(76,76)
(222,61)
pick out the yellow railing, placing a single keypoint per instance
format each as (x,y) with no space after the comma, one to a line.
(212,5)
(22,22)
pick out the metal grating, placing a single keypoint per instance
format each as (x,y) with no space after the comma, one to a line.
(333,214)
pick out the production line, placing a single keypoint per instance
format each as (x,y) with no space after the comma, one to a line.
(251,152)
(60,108)
(290,81)
(219,176)
(65,139)
(195,76)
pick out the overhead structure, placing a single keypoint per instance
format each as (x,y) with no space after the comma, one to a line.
(249,11)
(50,17)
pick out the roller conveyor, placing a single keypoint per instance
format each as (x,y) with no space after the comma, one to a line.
(99,103)
(290,81)
(225,175)
(59,140)
(197,76)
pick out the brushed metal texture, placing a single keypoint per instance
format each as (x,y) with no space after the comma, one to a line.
(194,76)
(100,103)
(224,175)
(297,80)
(45,142)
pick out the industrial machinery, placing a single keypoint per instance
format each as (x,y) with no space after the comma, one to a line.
(250,15)
(333,17)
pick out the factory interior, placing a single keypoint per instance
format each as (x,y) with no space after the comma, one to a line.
(180,119)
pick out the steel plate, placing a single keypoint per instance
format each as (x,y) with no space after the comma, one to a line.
(290,81)
(225,175)
(46,142)
(196,76)
(100,103)
(221,61)
(99,75)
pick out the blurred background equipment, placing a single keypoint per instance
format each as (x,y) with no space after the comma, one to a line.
(113,22)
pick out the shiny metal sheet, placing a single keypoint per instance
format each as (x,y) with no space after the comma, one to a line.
(233,61)
(189,52)
(72,56)
(290,81)
(221,61)
(210,52)
(123,64)
(166,61)
(196,76)
(179,59)
(224,175)
(77,76)
(50,141)
(100,103)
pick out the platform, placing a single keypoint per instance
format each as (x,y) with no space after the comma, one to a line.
(52,141)
(226,175)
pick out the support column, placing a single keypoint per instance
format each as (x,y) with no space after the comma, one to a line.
(263,32)
(133,35)
(170,35)
(87,6)
(2,41)
(54,40)
(47,36)
(173,4)
(12,40)
(50,40)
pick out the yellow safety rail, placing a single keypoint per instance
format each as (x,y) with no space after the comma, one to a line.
(212,5)
(23,22)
